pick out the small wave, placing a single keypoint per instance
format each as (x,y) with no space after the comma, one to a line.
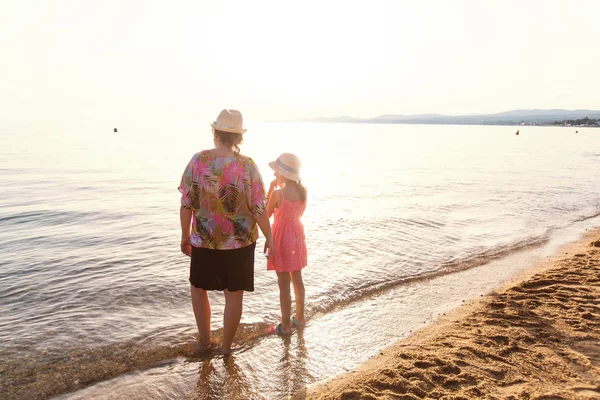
(487,255)
(347,297)
(48,217)
(586,217)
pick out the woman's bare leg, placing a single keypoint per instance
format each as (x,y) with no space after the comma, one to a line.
(234,302)
(201,306)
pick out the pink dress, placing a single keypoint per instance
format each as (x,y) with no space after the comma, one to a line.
(288,237)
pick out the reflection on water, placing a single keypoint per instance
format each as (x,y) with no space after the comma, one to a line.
(225,378)
(295,374)
(222,379)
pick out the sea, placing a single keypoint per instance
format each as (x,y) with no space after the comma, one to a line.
(404,223)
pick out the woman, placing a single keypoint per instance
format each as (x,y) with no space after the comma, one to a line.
(222,202)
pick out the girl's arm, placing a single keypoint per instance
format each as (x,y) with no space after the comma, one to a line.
(273,202)
(272,187)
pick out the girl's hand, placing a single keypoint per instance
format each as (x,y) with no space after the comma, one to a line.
(186,247)
(272,187)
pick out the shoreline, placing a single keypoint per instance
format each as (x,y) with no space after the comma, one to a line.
(537,335)
(422,365)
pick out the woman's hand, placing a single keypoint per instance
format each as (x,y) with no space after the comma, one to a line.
(186,247)
(265,227)
(269,249)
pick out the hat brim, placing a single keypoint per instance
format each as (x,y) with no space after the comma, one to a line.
(283,172)
(227,129)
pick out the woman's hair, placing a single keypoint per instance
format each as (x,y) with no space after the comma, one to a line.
(229,139)
(301,188)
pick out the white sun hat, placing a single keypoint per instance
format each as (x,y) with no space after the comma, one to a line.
(288,165)
(229,121)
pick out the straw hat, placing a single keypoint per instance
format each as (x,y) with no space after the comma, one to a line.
(229,121)
(287,165)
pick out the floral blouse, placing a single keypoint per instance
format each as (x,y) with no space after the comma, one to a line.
(225,194)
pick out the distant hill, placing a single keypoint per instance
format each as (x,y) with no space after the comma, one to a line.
(514,117)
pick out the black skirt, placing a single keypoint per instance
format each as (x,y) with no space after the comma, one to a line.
(223,269)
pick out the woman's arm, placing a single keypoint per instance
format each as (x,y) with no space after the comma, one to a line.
(265,227)
(185,219)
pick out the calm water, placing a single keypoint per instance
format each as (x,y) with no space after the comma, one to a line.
(404,222)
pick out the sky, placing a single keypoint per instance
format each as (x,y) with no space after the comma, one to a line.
(277,60)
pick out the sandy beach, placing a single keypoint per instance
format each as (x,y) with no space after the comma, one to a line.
(537,337)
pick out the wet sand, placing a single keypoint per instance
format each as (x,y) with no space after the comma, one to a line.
(538,337)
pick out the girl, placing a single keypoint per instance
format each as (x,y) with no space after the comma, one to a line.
(288,204)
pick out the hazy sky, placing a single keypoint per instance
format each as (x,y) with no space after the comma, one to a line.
(274,60)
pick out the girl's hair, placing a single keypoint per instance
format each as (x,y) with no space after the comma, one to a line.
(301,188)
(229,139)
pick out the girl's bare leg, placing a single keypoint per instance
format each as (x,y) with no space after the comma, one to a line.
(285,301)
(299,294)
